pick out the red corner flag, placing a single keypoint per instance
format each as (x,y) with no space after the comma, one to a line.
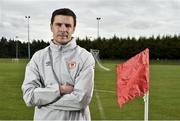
(133,77)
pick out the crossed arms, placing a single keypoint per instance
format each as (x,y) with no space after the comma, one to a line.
(64,97)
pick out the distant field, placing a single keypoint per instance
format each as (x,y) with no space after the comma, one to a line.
(164,101)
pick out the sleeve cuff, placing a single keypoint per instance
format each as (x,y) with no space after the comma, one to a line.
(56,89)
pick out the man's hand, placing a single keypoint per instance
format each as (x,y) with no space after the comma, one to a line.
(66,89)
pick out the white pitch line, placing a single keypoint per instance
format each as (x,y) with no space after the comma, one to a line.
(106,91)
(101,110)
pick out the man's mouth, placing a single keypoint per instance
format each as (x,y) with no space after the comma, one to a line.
(62,35)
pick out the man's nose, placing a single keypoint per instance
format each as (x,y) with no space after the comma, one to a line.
(63,27)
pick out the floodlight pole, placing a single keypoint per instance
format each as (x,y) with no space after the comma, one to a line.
(29,54)
(16,47)
(98,19)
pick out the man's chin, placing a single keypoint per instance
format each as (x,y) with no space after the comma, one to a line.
(62,41)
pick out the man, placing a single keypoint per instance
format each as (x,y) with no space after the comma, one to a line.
(59,79)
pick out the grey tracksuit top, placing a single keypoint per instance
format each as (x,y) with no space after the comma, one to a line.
(54,65)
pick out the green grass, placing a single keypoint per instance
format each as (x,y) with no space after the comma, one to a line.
(11,103)
(164,103)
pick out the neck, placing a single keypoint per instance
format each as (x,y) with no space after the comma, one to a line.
(58,43)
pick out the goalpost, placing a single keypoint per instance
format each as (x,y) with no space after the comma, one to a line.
(16,60)
(95,54)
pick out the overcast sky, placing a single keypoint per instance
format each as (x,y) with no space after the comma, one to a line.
(118,17)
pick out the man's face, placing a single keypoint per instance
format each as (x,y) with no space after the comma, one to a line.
(62,29)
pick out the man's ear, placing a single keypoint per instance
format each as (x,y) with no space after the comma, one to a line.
(51,27)
(74,29)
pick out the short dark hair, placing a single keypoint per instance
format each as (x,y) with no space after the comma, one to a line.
(64,11)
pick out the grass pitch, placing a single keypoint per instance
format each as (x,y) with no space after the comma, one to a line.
(164,103)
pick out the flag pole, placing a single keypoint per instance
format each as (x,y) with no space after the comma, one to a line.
(146,96)
(146,106)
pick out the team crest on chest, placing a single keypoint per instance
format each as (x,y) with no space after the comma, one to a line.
(72,64)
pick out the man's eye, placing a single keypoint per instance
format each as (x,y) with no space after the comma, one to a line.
(68,25)
(58,24)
